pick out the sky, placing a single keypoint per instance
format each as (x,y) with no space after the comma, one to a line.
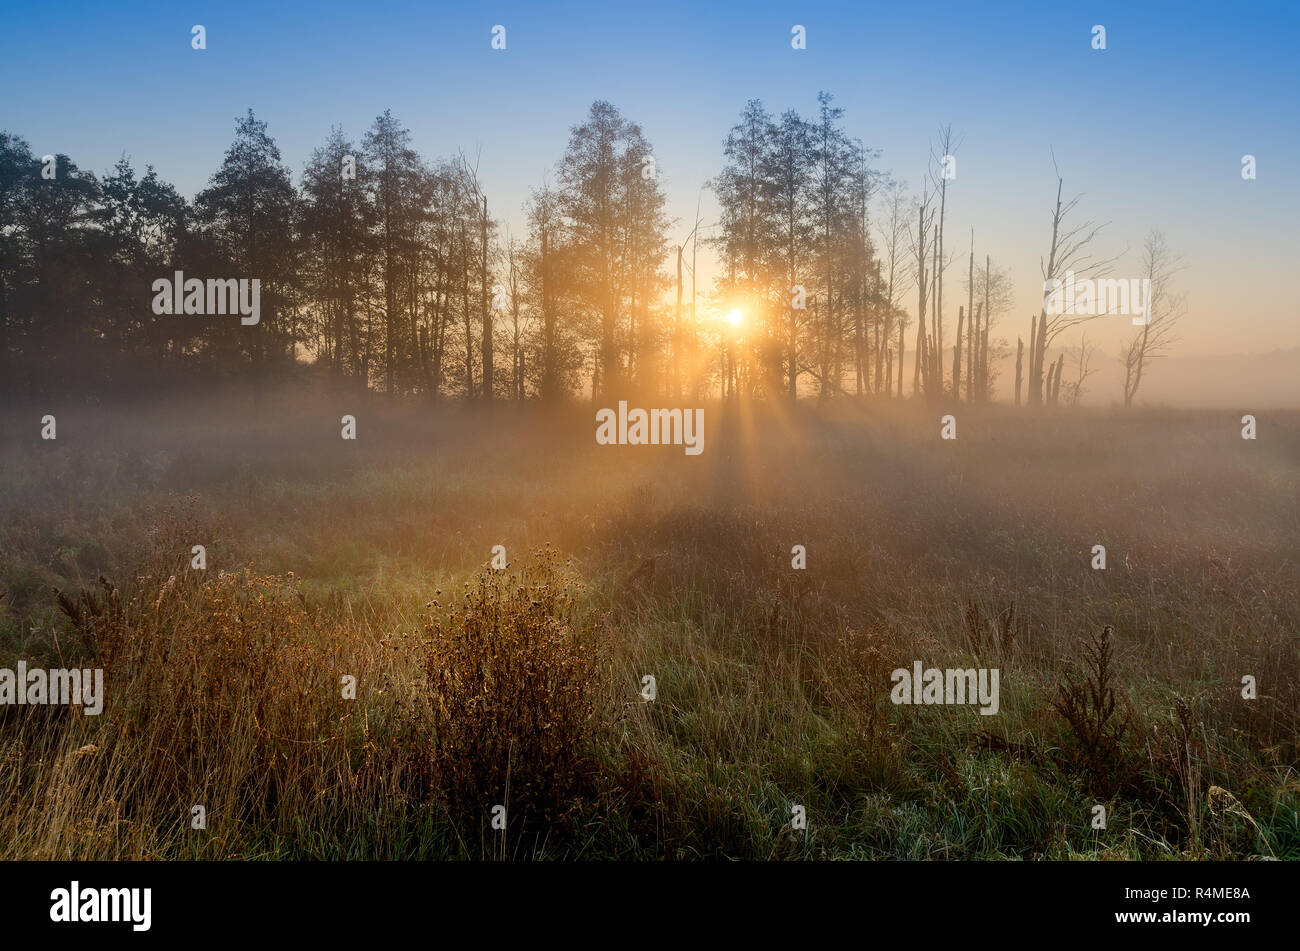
(1150,131)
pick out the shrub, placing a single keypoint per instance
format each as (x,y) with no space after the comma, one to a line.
(511,673)
(1098,718)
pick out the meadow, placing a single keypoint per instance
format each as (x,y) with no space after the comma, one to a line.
(329,559)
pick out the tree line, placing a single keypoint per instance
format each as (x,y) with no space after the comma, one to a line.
(394,273)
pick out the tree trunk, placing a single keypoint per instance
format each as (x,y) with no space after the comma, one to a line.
(1020,357)
(465,313)
(982,381)
(677,331)
(486,309)
(902,351)
(956,358)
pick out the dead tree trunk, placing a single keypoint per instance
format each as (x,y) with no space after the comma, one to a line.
(982,347)
(1020,358)
(902,351)
(972,331)
(1032,368)
(677,331)
(486,346)
(956,358)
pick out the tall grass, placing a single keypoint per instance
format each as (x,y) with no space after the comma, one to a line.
(521,688)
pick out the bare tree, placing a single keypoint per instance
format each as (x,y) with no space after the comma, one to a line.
(1069,252)
(893,230)
(992,291)
(1163,312)
(917,246)
(519,316)
(942,162)
(970,309)
(1083,361)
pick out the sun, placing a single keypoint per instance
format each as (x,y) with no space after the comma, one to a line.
(735,317)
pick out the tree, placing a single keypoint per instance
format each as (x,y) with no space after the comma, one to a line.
(16,167)
(519,317)
(645,227)
(865,278)
(335,224)
(484,230)
(1069,251)
(141,226)
(1083,362)
(892,234)
(991,291)
(1164,310)
(789,164)
(924,217)
(393,185)
(747,233)
(248,211)
(940,174)
(614,215)
(447,262)
(973,333)
(544,248)
(831,210)
(53,222)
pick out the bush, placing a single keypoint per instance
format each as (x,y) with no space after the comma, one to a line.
(1098,717)
(511,673)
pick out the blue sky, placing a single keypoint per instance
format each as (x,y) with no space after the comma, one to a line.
(1151,130)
